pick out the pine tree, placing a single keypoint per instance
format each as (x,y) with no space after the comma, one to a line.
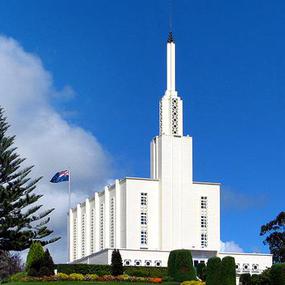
(20,222)
(116,263)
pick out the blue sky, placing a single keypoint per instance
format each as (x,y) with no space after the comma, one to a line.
(230,74)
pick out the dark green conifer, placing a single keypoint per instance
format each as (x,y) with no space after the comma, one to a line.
(116,263)
(20,221)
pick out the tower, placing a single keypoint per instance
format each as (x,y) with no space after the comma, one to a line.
(171,109)
(171,164)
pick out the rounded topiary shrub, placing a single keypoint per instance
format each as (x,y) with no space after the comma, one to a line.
(201,271)
(228,271)
(277,274)
(171,263)
(180,265)
(213,273)
(245,279)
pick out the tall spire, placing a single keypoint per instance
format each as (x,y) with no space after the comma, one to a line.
(171,105)
(170,38)
(170,63)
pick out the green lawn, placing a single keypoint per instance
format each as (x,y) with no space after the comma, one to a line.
(87,282)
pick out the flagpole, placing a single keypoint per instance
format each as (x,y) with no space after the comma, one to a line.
(68,215)
(69,191)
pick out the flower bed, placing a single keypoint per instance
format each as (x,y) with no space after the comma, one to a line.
(90,277)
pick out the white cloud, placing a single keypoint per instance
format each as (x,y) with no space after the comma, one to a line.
(230,246)
(45,138)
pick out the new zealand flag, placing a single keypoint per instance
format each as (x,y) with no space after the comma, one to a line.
(60,176)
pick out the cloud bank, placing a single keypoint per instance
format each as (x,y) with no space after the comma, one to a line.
(47,140)
(230,246)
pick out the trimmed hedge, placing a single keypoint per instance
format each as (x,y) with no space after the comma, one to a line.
(100,270)
(228,271)
(245,279)
(277,274)
(180,265)
(201,271)
(213,275)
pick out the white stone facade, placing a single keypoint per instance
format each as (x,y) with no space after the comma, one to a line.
(146,218)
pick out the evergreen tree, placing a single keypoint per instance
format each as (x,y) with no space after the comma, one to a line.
(213,271)
(20,222)
(47,267)
(275,237)
(228,271)
(116,263)
(35,259)
(201,271)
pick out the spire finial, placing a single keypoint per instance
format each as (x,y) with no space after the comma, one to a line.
(170,38)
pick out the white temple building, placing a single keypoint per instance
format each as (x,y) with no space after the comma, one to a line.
(146,218)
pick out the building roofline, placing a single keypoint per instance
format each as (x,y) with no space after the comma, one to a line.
(246,253)
(207,183)
(137,178)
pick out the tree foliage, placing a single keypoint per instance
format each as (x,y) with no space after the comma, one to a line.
(20,220)
(116,263)
(39,262)
(180,265)
(277,274)
(228,271)
(201,271)
(9,264)
(214,271)
(275,237)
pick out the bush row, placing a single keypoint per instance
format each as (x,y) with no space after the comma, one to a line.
(101,270)
(273,276)
(81,277)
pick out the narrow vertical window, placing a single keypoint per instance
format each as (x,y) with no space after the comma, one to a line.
(112,222)
(74,238)
(92,230)
(144,220)
(83,231)
(102,226)
(204,221)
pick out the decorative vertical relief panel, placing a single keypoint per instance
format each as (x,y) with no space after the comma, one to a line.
(112,222)
(83,237)
(74,238)
(160,117)
(92,231)
(174,116)
(101,226)
(204,221)
(144,221)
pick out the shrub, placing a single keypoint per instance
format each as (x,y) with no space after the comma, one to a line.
(181,265)
(35,257)
(90,277)
(116,263)
(100,270)
(123,277)
(201,271)
(62,276)
(277,274)
(228,271)
(18,276)
(213,271)
(193,282)
(171,263)
(9,264)
(76,277)
(245,279)
(145,271)
(47,265)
